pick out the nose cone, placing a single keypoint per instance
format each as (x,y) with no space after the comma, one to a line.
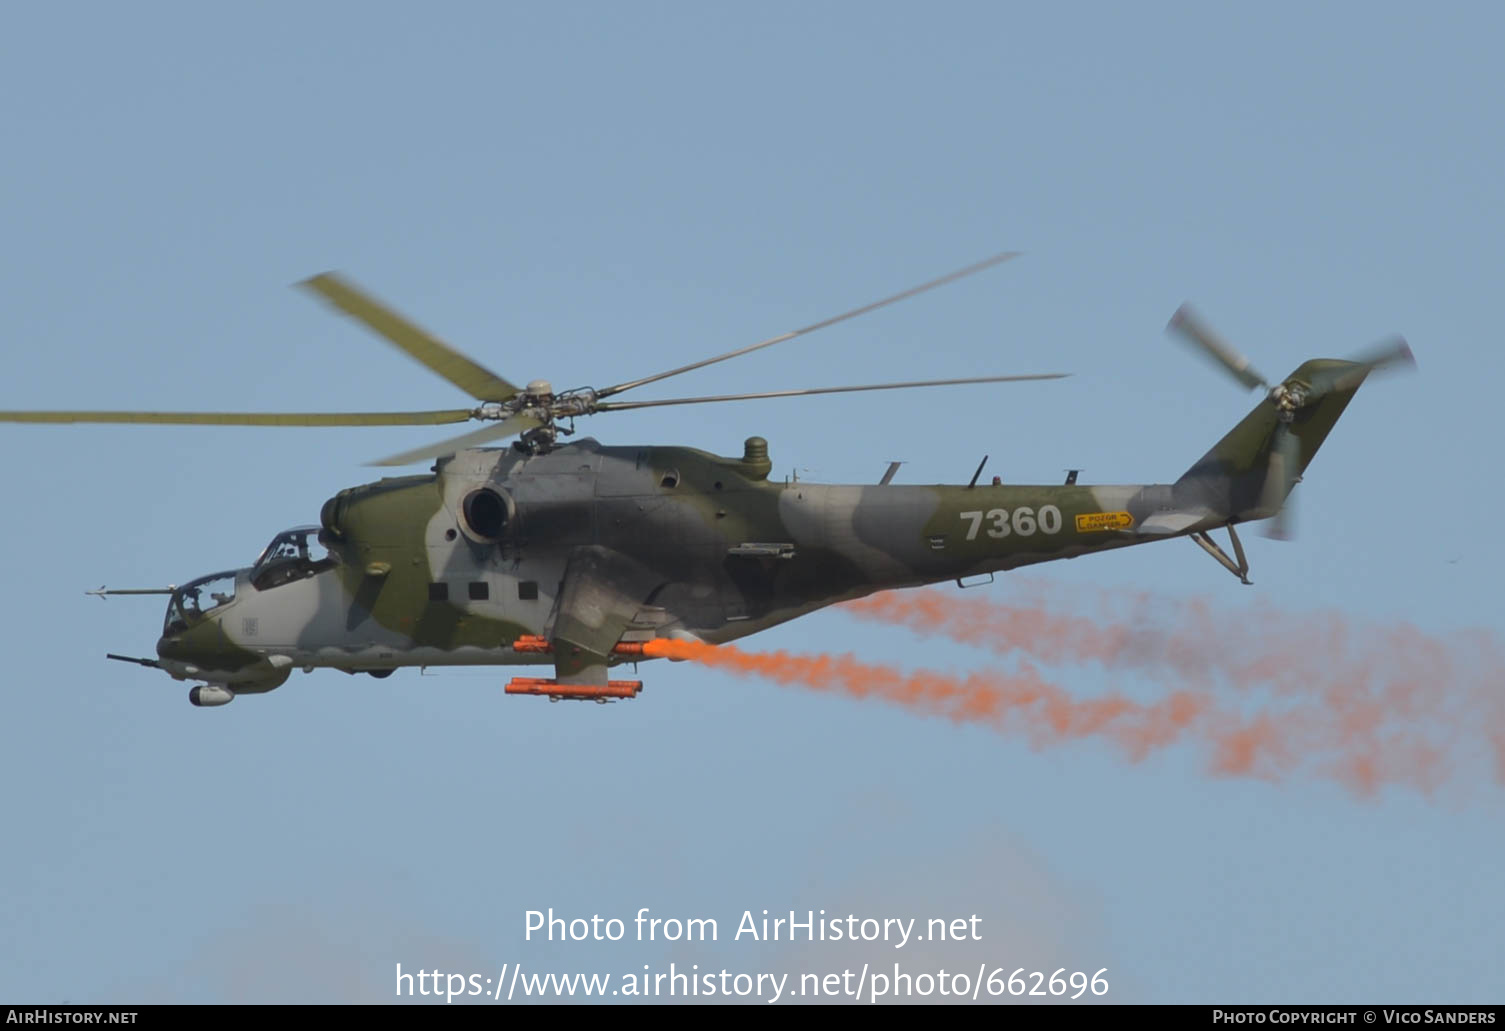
(201,645)
(169,646)
(204,649)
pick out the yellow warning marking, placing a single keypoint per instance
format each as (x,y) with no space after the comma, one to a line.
(1093,522)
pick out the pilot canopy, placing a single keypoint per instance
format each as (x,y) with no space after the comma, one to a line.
(294,554)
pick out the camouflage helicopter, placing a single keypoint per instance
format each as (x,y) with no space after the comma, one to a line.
(577,555)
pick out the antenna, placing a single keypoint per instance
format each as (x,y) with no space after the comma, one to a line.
(978,472)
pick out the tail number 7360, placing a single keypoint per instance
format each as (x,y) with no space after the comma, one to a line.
(1022,521)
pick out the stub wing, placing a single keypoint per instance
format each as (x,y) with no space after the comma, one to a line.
(603,592)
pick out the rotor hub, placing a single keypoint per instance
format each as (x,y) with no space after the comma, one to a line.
(1288,397)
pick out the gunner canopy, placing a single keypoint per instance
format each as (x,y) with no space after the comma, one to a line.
(196,599)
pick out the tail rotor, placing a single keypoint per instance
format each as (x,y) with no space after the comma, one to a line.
(1290,397)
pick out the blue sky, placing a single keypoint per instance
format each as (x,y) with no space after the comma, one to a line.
(592,192)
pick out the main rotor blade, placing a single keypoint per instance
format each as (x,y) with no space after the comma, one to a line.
(485,435)
(997,259)
(249,418)
(617,406)
(1190,325)
(479,382)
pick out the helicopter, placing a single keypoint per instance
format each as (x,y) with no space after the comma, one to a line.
(579,555)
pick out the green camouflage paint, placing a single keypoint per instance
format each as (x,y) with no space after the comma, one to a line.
(590,546)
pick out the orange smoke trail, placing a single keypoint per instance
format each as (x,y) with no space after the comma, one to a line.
(1337,740)
(1269,747)
(1372,703)
(1021,701)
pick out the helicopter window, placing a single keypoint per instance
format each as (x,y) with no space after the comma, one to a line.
(439,592)
(527,590)
(193,601)
(480,590)
(293,555)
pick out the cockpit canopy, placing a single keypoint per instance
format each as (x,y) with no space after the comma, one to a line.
(196,599)
(294,554)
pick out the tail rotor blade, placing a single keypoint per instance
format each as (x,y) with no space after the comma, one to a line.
(1280,477)
(1282,527)
(1390,354)
(1392,351)
(1190,326)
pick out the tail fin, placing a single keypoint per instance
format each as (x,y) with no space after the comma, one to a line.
(1230,479)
